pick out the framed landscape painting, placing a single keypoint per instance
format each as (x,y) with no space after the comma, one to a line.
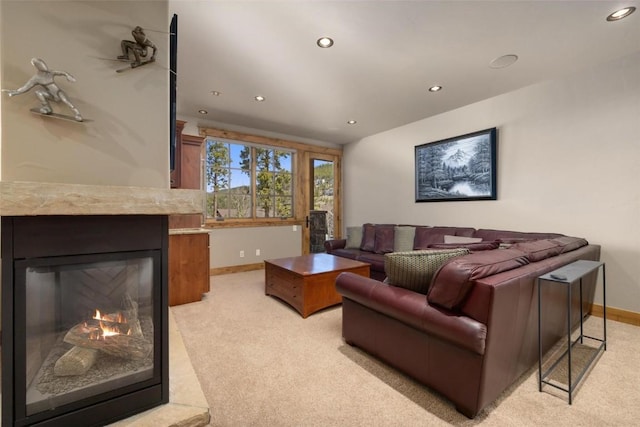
(459,168)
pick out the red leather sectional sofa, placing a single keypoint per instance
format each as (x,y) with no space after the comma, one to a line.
(378,239)
(475,331)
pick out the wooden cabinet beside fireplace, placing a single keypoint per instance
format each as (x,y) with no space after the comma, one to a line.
(187,173)
(188,266)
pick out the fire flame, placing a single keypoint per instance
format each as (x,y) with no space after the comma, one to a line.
(117,318)
(108,331)
(104,330)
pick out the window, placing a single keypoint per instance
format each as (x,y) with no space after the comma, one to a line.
(247,181)
(256,181)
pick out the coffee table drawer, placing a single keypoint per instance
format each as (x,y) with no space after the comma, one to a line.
(307,282)
(284,285)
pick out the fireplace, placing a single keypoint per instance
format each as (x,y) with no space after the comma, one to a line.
(84,318)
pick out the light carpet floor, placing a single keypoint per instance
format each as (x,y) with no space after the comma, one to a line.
(261,364)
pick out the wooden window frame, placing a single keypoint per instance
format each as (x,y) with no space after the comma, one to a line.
(299,176)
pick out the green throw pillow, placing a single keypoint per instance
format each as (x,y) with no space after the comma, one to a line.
(414,269)
(354,237)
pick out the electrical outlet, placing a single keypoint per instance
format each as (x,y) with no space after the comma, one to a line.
(295,228)
(257,252)
(241,254)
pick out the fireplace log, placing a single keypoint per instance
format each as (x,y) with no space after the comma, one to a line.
(125,346)
(130,311)
(135,329)
(76,361)
(130,308)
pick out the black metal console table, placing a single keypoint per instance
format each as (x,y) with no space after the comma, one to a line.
(567,275)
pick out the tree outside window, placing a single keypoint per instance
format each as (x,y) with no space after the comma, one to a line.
(237,172)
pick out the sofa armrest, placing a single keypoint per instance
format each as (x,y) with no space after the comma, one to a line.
(412,309)
(331,245)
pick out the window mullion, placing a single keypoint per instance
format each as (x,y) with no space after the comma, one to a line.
(254,187)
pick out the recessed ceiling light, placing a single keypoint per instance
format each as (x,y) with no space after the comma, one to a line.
(622,13)
(324,42)
(435,88)
(215,93)
(503,61)
(351,122)
(259,98)
(203,112)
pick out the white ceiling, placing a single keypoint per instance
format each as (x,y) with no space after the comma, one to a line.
(386,55)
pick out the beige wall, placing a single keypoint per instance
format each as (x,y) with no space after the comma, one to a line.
(569,162)
(273,242)
(125,140)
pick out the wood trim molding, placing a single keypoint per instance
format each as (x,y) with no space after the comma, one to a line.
(236,269)
(192,140)
(240,223)
(619,315)
(263,140)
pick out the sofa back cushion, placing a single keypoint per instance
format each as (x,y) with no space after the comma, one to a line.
(453,281)
(537,250)
(384,238)
(512,236)
(403,238)
(354,237)
(569,244)
(426,236)
(414,269)
(473,247)
(377,238)
(368,242)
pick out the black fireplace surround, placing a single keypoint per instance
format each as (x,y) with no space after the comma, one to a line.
(84,318)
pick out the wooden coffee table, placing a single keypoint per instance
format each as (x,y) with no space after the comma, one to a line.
(307,282)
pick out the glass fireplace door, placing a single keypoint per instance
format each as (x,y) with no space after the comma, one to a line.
(90,324)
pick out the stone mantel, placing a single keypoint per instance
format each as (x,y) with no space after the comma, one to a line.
(20,198)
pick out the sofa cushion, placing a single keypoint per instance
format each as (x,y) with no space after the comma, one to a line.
(568,243)
(473,247)
(350,253)
(426,236)
(454,280)
(507,236)
(368,242)
(354,237)
(414,269)
(510,241)
(403,238)
(376,260)
(384,240)
(537,250)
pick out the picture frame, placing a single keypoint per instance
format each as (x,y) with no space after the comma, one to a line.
(461,168)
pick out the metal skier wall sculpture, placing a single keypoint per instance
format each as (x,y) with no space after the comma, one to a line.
(48,90)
